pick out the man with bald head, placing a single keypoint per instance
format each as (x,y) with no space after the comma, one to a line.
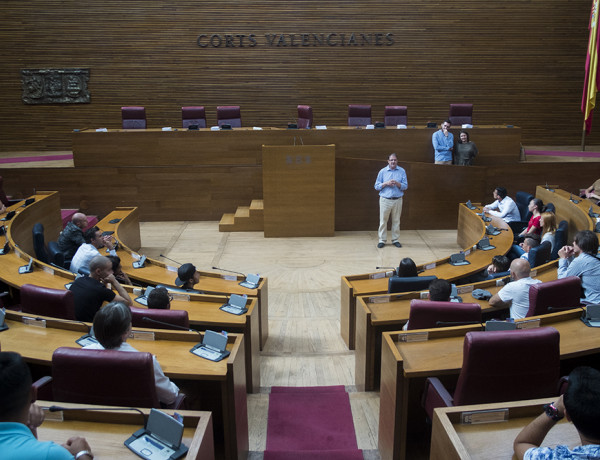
(72,236)
(516,293)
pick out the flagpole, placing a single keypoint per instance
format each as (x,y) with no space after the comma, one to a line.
(583,138)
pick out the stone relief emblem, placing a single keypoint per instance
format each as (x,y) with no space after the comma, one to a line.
(55,86)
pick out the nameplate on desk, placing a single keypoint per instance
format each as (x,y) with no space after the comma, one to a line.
(413,336)
(171,269)
(465,289)
(48,270)
(484,416)
(430,266)
(379,299)
(424,295)
(101,130)
(178,296)
(57,416)
(390,273)
(500,282)
(142,335)
(135,256)
(528,324)
(467,252)
(375,276)
(321,127)
(17,252)
(34,322)
(137,292)
(533,273)
(229,277)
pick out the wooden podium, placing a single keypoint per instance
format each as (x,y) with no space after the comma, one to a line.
(298,190)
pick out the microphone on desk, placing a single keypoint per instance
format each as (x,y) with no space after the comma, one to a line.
(230,271)
(92,409)
(385,268)
(175,326)
(165,257)
(455,323)
(564,308)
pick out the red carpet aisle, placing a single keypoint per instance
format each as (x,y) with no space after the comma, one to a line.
(310,423)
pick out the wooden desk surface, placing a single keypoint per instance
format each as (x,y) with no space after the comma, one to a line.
(452,440)
(117,147)
(471,229)
(106,431)
(388,312)
(225,380)
(405,366)
(156,272)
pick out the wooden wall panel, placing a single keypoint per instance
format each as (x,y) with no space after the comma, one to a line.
(206,192)
(520,62)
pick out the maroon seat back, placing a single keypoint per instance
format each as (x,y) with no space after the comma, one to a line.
(133,117)
(305,117)
(558,294)
(44,301)
(425,314)
(193,116)
(359,115)
(229,115)
(461,114)
(120,378)
(508,366)
(175,317)
(395,115)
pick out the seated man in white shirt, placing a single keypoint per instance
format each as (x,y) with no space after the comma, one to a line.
(112,326)
(94,240)
(516,293)
(504,206)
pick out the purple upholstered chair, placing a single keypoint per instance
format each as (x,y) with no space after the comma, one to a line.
(38,300)
(229,115)
(133,117)
(558,294)
(305,117)
(3,198)
(395,115)
(175,317)
(501,366)
(359,115)
(425,314)
(461,114)
(193,116)
(121,378)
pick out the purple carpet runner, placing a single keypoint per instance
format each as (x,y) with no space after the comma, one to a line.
(310,423)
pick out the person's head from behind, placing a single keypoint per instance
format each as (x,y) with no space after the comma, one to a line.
(548,222)
(586,241)
(440,290)
(15,388)
(407,268)
(519,268)
(100,267)
(80,220)
(582,402)
(529,243)
(112,324)
(159,298)
(500,193)
(93,236)
(116,263)
(500,264)
(187,276)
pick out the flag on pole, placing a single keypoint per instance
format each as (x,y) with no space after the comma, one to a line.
(591,82)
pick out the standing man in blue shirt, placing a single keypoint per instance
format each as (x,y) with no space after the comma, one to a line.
(390,183)
(443,144)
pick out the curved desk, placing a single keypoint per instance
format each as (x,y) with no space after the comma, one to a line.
(127,232)
(218,387)
(471,228)
(389,312)
(405,365)
(203,310)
